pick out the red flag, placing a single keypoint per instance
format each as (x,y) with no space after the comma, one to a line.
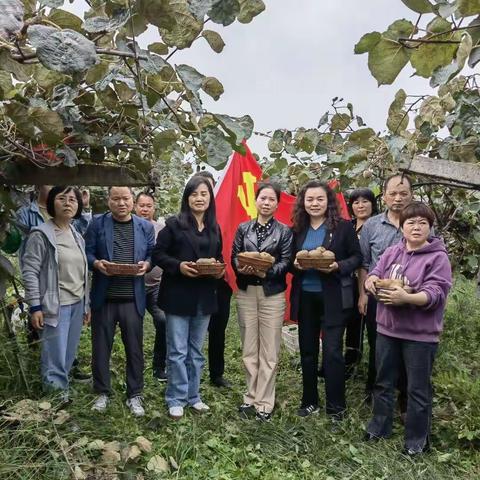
(235,202)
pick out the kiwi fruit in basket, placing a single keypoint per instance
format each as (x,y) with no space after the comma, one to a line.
(206,261)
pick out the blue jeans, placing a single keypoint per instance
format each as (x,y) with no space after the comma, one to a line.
(59,346)
(418,359)
(185,338)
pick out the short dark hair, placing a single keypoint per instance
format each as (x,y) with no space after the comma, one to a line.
(365,193)
(63,189)
(403,176)
(205,174)
(145,194)
(417,209)
(275,187)
(120,186)
(300,217)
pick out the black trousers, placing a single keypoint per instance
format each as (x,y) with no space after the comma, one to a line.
(159,322)
(371,323)
(418,359)
(104,322)
(311,320)
(216,331)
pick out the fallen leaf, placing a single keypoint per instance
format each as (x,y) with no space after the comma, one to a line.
(44,405)
(133,452)
(61,418)
(79,474)
(96,445)
(112,446)
(144,444)
(110,457)
(173,463)
(157,464)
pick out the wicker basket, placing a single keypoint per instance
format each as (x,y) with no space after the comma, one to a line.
(318,262)
(290,338)
(260,264)
(209,269)
(122,269)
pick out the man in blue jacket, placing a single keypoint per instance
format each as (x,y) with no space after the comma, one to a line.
(118,237)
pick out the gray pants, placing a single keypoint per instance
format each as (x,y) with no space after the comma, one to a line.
(104,322)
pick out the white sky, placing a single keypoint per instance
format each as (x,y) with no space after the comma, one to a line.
(284,67)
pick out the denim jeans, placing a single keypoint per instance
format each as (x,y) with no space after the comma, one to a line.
(418,359)
(59,346)
(185,360)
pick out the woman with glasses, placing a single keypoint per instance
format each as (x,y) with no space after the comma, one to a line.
(55,275)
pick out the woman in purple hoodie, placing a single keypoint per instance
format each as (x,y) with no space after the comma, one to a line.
(409,325)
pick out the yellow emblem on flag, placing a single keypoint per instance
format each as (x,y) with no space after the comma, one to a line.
(246,194)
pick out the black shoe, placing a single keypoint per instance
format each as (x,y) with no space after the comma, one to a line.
(246,409)
(414,452)
(321,372)
(263,416)
(308,410)
(370,437)
(220,382)
(160,375)
(79,376)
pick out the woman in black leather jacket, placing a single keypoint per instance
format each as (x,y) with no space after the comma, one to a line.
(261,300)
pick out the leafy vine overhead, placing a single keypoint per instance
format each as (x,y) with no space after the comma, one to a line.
(438,130)
(78,90)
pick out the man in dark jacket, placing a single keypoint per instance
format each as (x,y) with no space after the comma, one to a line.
(118,237)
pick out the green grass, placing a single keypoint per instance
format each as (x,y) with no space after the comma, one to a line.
(220,445)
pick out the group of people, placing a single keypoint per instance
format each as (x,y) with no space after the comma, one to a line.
(403,325)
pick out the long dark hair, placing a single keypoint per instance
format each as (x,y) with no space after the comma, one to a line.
(301,219)
(186,217)
(365,193)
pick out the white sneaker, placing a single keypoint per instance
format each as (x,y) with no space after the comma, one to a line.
(200,407)
(176,412)
(135,406)
(100,404)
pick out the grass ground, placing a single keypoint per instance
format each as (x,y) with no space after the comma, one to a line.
(39,440)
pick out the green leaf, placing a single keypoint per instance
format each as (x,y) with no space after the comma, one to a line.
(419,6)
(241,128)
(474,57)
(199,8)
(211,86)
(429,56)
(190,77)
(362,136)
(106,24)
(439,25)
(442,75)
(275,144)
(249,9)
(224,12)
(65,19)
(340,121)
(48,122)
(395,145)
(323,120)
(52,3)
(218,149)
(214,40)
(20,72)
(68,155)
(386,61)
(18,113)
(399,29)
(97,72)
(177,26)
(467,8)
(158,48)
(47,79)
(164,141)
(5,84)
(367,42)
(65,51)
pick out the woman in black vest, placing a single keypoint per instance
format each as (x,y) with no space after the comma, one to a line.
(261,300)
(187,299)
(320,297)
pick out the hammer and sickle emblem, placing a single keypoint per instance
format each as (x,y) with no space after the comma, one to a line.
(246,194)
